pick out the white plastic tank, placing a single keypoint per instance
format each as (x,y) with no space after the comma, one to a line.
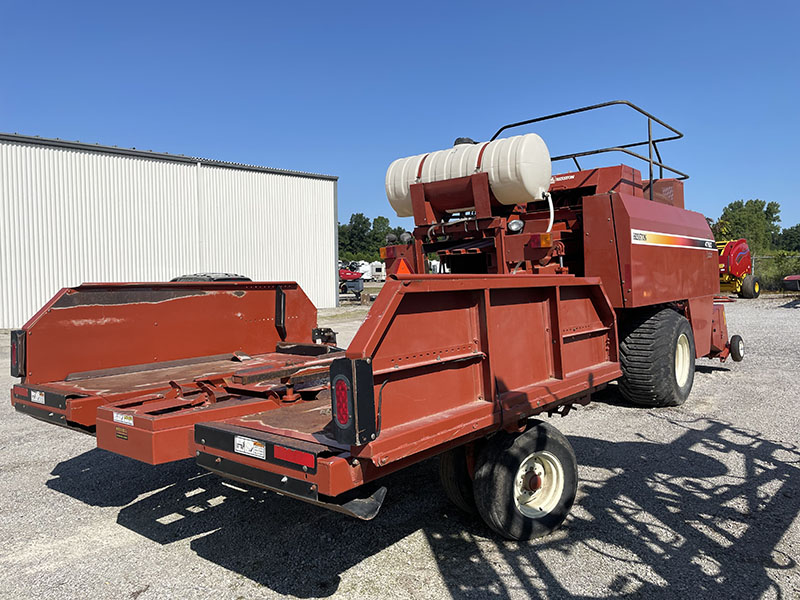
(519,170)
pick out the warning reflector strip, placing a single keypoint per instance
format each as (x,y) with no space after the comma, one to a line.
(670,240)
(402,268)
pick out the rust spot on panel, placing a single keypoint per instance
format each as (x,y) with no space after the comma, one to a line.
(123,296)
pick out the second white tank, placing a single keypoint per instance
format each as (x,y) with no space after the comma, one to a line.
(518,167)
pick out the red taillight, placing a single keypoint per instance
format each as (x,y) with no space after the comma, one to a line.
(14,353)
(291,455)
(342,391)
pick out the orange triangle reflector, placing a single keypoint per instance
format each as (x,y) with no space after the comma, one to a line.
(403,268)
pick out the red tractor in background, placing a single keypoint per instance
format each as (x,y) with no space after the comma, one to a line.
(350,281)
(736,269)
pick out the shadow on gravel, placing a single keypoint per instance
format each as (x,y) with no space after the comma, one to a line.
(792,304)
(101,478)
(710,368)
(672,518)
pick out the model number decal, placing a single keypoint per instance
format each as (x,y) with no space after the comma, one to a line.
(670,240)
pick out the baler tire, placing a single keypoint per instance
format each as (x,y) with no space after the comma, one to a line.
(653,343)
(456,481)
(751,287)
(737,348)
(504,472)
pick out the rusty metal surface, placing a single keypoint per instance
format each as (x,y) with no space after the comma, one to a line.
(102,326)
(152,378)
(303,416)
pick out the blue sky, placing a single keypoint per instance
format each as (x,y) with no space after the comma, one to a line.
(345,88)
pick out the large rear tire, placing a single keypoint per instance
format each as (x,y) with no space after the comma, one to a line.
(751,287)
(525,484)
(455,478)
(657,355)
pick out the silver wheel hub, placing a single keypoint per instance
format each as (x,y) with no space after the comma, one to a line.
(538,484)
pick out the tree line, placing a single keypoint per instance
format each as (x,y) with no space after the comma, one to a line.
(775,249)
(759,223)
(361,239)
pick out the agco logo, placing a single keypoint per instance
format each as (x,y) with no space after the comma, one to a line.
(639,237)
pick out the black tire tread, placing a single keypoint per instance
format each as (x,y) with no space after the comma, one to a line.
(749,287)
(646,356)
(457,483)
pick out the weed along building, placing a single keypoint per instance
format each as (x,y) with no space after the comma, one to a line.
(72,213)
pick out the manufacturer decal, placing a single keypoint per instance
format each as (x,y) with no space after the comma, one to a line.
(561,178)
(122,433)
(669,240)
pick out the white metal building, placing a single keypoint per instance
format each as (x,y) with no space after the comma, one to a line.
(73,213)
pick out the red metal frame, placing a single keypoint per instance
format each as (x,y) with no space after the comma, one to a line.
(102,343)
(445,355)
(526,324)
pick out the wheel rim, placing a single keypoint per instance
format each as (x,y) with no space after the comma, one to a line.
(538,485)
(682,360)
(740,346)
(756,287)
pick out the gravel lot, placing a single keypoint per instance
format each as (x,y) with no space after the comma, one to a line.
(699,501)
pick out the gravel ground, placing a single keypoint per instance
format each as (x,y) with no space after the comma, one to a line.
(699,501)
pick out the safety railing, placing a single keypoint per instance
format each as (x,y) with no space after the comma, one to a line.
(650,142)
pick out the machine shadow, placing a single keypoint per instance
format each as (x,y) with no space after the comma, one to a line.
(675,520)
(673,517)
(101,478)
(792,304)
(287,545)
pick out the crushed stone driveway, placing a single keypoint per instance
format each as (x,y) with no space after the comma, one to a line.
(698,501)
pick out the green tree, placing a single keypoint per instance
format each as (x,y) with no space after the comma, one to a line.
(755,220)
(789,239)
(380,229)
(361,239)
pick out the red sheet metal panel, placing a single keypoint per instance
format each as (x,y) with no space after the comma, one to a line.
(102,326)
(719,332)
(600,246)
(666,253)
(452,355)
(700,317)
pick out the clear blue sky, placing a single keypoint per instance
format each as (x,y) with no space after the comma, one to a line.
(345,88)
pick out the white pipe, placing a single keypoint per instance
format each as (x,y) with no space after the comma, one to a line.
(552,210)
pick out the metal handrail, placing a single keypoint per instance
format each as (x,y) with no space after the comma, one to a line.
(652,144)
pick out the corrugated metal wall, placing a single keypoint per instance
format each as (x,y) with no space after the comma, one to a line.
(69,216)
